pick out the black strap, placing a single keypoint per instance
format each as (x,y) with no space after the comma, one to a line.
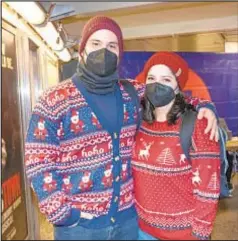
(130,89)
(186,131)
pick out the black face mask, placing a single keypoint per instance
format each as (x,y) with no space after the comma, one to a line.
(102,62)
(159,95)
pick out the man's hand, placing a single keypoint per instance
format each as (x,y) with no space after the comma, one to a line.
(212,124)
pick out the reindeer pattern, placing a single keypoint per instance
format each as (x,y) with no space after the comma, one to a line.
(196,180)
(145,153)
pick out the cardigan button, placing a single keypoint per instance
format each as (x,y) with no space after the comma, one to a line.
(117,158)
(117,179)
(115,135)
(113,220)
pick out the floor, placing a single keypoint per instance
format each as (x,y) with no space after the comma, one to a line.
(226,225)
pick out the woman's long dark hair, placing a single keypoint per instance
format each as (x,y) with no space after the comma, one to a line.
(178,108)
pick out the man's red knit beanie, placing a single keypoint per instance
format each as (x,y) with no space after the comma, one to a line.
(178,66)
(98,23)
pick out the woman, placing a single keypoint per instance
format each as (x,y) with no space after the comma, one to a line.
(176,199)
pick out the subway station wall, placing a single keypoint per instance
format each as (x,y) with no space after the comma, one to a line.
(212,76)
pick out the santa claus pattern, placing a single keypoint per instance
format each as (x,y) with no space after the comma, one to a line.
(124,171)
(49,183)
(41,132)
(86,183)
(77,125)
(67,185)
(108,177)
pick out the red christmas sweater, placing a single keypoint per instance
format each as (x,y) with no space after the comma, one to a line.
(176,200)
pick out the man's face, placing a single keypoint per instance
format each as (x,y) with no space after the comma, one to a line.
(101,39)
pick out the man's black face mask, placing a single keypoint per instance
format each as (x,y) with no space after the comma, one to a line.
(102,62)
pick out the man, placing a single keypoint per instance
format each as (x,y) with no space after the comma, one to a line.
(99,125)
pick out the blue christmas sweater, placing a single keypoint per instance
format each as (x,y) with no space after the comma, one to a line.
(77,162)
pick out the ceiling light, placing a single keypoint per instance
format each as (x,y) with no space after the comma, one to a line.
(48,32)
(50,35)
(64,55)
(11,17)
(31,11)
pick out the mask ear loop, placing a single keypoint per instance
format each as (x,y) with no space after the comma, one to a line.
(82,58)
(148,111)
(177,90)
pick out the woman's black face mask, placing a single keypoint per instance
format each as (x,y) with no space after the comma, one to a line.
(159,95)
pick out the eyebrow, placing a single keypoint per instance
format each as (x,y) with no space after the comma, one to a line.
(113,42)
(151,75)
(169,76)
(97,40)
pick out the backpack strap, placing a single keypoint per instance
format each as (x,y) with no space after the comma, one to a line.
(222,141)
(130,89)
(186,131)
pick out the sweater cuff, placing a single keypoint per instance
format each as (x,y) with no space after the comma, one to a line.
(209,106)
(71,219)
(201,231)
(200,237)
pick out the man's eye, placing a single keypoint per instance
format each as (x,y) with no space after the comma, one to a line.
(95,44)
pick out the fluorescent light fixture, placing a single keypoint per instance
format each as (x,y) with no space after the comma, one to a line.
(50,35)
(47,32)
(9,16)
(64,55)
(13,19)
(33,14)
(31,11)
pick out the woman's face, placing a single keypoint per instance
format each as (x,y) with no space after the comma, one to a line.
(163,75)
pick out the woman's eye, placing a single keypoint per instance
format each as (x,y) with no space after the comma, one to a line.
(167,80)
(150,78)
(112,46)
